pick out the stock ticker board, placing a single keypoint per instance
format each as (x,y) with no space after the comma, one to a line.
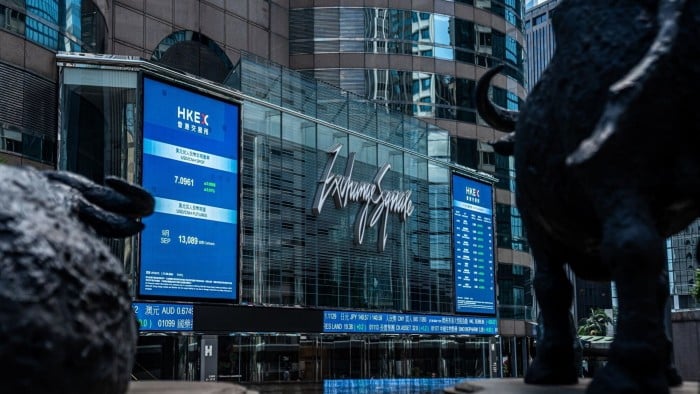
(472,219)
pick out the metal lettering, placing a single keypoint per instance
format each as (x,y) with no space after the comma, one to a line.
(377,203)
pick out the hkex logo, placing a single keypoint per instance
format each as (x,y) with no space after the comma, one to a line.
(192,116)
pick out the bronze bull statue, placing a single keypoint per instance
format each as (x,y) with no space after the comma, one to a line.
(607,167)
(66,321)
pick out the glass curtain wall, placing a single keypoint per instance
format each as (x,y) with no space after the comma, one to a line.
(682,254)
(289,255)
(397,31)
(317,357)
(98,132)
(68,25)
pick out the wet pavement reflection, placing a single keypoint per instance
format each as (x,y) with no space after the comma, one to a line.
(360,386)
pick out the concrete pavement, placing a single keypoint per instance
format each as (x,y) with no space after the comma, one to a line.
(485,386)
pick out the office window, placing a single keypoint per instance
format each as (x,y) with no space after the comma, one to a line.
(11,19)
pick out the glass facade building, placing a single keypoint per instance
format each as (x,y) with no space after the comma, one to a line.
(682,257)
(425,61)
(301,272)
(27,124)
(428,35)
(540,38)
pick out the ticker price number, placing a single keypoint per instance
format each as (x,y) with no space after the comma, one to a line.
(184,181)
(188,239)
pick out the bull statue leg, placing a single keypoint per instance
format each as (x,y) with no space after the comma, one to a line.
(555,358)
(634,250)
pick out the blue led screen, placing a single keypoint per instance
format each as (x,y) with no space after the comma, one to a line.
(472,222)
(163,317)
(390,386)
(406,323)
(189,248)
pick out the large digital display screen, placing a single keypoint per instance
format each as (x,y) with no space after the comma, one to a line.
(405,323)
(189,248)
(390,386)
(163,317)
(472,223)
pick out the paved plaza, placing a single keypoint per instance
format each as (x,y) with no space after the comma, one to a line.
(486,386)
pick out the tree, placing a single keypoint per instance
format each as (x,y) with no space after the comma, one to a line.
(595,324)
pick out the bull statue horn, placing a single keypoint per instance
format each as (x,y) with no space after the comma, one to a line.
(495,116)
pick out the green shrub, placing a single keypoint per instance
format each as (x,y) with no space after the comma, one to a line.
(595,324)
(695,291)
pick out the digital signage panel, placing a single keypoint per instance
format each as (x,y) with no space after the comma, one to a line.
(391,385)
(406,323)
(163,317)
(473,246)
(189,248)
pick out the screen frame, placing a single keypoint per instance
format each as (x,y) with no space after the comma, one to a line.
(493,262)
(192,88)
